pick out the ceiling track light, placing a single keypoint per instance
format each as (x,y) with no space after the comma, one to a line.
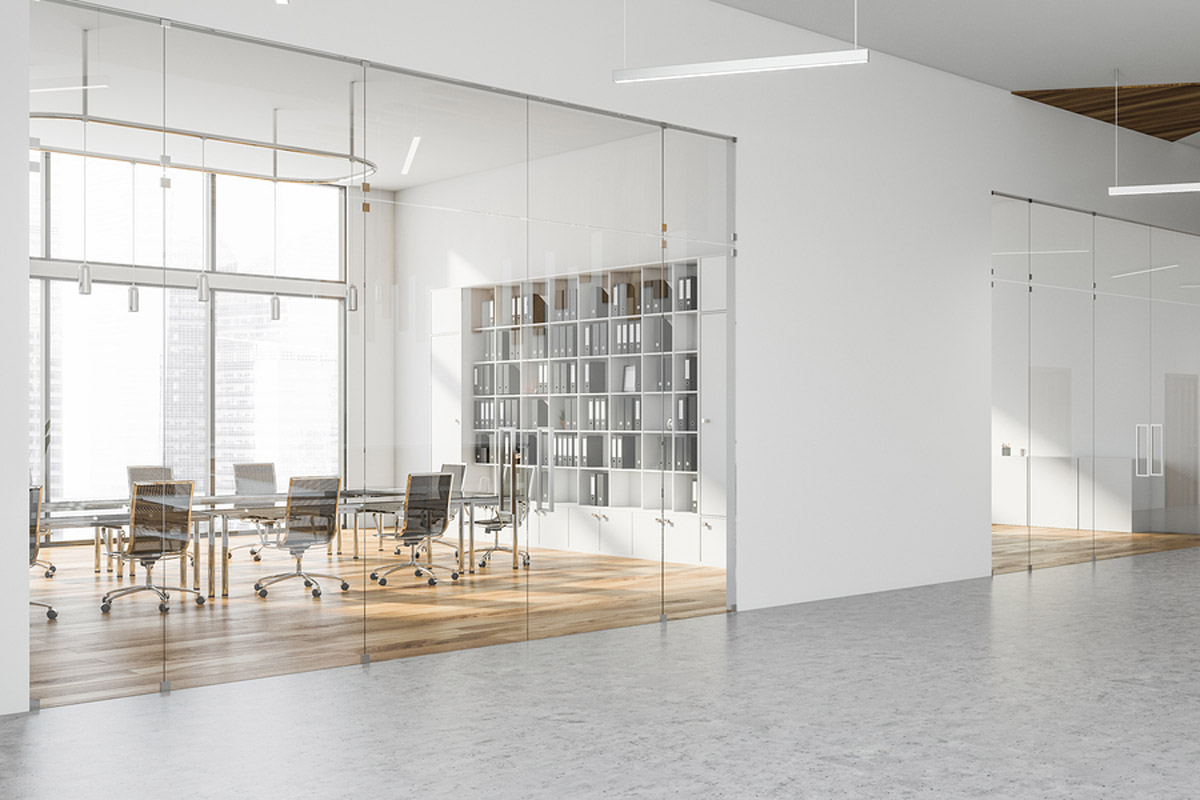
(276,311)
(202,288)
(412,152)
(134,303)
(352,298)
(85,278)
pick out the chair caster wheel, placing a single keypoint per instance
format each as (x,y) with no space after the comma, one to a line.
(53,569)
(105,607)
(308,584)
(345,586)
(199,600)
(257,586)
(483,563)
(418,572)
(433,581)
(258,558)
(374,576)
(49,573)
(453,576)
(383,581)
(316,593)
(525,563)
(162,607)
(262,592)
(51,614)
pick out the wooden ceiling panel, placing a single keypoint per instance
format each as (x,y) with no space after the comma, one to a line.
(1169,111)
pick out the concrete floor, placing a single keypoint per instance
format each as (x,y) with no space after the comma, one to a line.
(1078,681)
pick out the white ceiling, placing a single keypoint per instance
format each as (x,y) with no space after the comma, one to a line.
(1015,44)
(227,87)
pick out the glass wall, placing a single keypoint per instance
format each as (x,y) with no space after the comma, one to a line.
(1094,412)
(420,365)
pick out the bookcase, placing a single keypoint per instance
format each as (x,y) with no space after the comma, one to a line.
(595,377)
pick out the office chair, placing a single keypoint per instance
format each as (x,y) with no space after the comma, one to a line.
(514,505)
(160,526)
(258,479)
(35,536)
(457,473)
(310,520)
(426,516)
(138,474)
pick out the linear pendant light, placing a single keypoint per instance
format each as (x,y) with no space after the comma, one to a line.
(744,66)
(1154,188)
(1133,190)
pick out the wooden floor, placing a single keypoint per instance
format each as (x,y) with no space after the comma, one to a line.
(1014,547)
(86,655)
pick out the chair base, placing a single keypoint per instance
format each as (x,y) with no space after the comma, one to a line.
(163,592)
(310,580)
(51,613)
(419,569)
(49,568)
(499,548)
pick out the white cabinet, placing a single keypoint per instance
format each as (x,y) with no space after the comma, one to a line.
(675,540)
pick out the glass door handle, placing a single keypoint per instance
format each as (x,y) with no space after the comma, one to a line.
(1141,464)
(1156,450)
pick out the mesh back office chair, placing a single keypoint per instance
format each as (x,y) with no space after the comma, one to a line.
(457,473)
(160,527)
(35,536)
(514,505)
(138,474)
(426,516)
(310,520)
(258,479)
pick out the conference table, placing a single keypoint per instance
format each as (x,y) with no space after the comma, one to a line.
(106,516)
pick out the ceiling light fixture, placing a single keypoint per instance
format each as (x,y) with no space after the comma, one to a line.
(1145,271)
(1117,190)
(412,151)
(281,2)
(1154,188)
(74,88)
(743,66)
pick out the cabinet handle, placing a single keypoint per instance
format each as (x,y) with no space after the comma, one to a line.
(708,525)
(664,522)
(1141,464)
(706,420)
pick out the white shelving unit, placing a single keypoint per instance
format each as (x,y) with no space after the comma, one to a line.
(596,377)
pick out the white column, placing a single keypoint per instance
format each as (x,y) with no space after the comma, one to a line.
(14,365)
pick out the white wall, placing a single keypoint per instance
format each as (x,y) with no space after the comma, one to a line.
(14,331)
(864,216)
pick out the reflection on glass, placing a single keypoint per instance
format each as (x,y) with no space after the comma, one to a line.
(276,385)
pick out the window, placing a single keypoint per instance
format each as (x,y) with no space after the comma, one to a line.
(253,215)
(127,388)
(277,385)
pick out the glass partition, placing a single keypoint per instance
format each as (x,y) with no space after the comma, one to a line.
(595,218)
(358,364)
(698,269)
(1094,387)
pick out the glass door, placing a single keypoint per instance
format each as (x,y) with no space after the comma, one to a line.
(1060,385)
(1124,473)
(1010,385)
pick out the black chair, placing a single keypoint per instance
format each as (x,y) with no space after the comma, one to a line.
(425,517)
(35,536)
(310,520)
(511,513)
(160,528)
